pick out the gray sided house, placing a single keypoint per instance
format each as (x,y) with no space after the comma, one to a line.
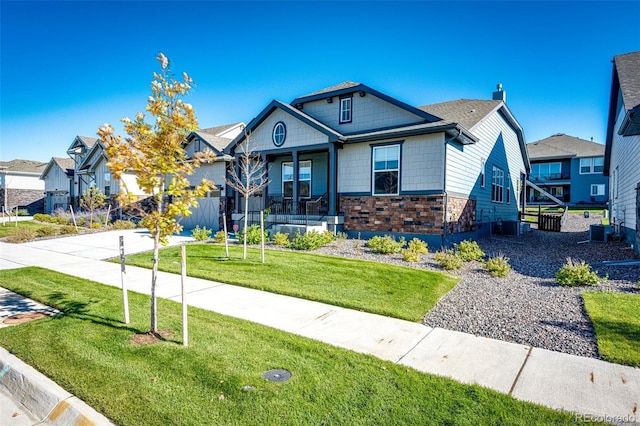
(570,169)
(356,160)
(58,183)
(78,151)
(20,185)
(622,153)
(209,211)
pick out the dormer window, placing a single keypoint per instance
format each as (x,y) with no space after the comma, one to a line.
(345,109)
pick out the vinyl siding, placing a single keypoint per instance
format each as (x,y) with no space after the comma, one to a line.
(368,112)
(56,179)
(581,184)
(498,145)
(354,168)
(12,181)
(214,172)
(299,134)
(625,157)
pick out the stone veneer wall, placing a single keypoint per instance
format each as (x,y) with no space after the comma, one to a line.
(30,199)
(421,214)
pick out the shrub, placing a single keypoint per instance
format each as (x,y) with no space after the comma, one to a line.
(311,240)
(469,250)
(219,237)
(201,234)
(21,235)
(68,229)
(410,255)
(46,231)
(341,236)
(123,224)
(386,244)
(41,217)
(498,266)
(95,225)
(281,239)
(61,220)
(253,235)
(418,246)
(573,273)
(23,212)
(448,259)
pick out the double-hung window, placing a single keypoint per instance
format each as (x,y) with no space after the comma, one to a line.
(345,109)
(497,185)
(591,165)
(386,169)
(304,179)
(107,184)
(597,189)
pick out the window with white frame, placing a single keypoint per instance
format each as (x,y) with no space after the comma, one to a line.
(508,189)
(497,185)
(546,171)
(386,169)
(591,165)
(304,179)
(345,109)
(482,167)
(107,184)
(615,183)
(597,189)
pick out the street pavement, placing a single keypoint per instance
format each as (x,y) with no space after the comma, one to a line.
(590,388)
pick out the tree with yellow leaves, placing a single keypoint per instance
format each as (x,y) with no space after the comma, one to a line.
(156,154)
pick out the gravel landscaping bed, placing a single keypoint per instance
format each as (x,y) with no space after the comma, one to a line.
(527,306)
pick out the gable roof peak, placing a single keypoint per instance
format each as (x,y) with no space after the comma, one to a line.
(341,86)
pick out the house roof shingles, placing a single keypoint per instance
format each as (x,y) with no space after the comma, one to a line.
(23,166)
(341,86)
(627,66)
(563,146)
(65,163)
(466,112)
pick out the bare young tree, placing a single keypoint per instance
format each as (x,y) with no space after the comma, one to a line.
(249,177)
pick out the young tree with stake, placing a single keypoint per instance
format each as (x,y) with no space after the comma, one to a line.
(156,154)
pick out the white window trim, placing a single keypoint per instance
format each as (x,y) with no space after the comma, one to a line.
(290,163)
(343,109)
(374,171)
(483,164)
(598,187)
(592,165)
(497,181)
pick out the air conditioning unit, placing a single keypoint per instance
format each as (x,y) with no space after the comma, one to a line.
(600,233)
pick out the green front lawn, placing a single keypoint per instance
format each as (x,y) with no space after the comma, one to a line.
(9,228)
(89,352)
(401,292)
(616,319)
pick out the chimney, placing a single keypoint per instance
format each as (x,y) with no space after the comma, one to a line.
(500,95)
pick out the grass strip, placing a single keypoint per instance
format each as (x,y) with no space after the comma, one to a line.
(396,291)
(89,352)
(617,323)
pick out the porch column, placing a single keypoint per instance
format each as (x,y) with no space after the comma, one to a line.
(296,166)
(265,190)
(333,179)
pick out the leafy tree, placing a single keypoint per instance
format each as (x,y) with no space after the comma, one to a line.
(249,177)
(92,199)
(156,154)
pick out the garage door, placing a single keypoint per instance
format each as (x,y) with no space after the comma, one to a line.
(207,214)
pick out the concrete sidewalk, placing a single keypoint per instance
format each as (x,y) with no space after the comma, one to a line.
(591,388)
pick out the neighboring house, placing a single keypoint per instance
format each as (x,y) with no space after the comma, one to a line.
(568,168)
(622,153)
(208,212)
(20,185)
(58,183)
(78,151)
(369,164)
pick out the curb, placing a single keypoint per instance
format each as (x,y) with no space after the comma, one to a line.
(42,397)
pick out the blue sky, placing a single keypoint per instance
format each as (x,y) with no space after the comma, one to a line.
(68,67)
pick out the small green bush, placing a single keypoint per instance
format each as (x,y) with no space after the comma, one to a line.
(96,225)
(61,220)
(123,224)
(68,229)
(23,212)
(498,266)
(21,235)
(386,244)
(410,255)
(219,237)
(311,240)
(418,246)
(41,217)
(575,273)
(46,231)
(253,235)
(341,236)
(448,259)
(469,250)
(201,234)
(281,239)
